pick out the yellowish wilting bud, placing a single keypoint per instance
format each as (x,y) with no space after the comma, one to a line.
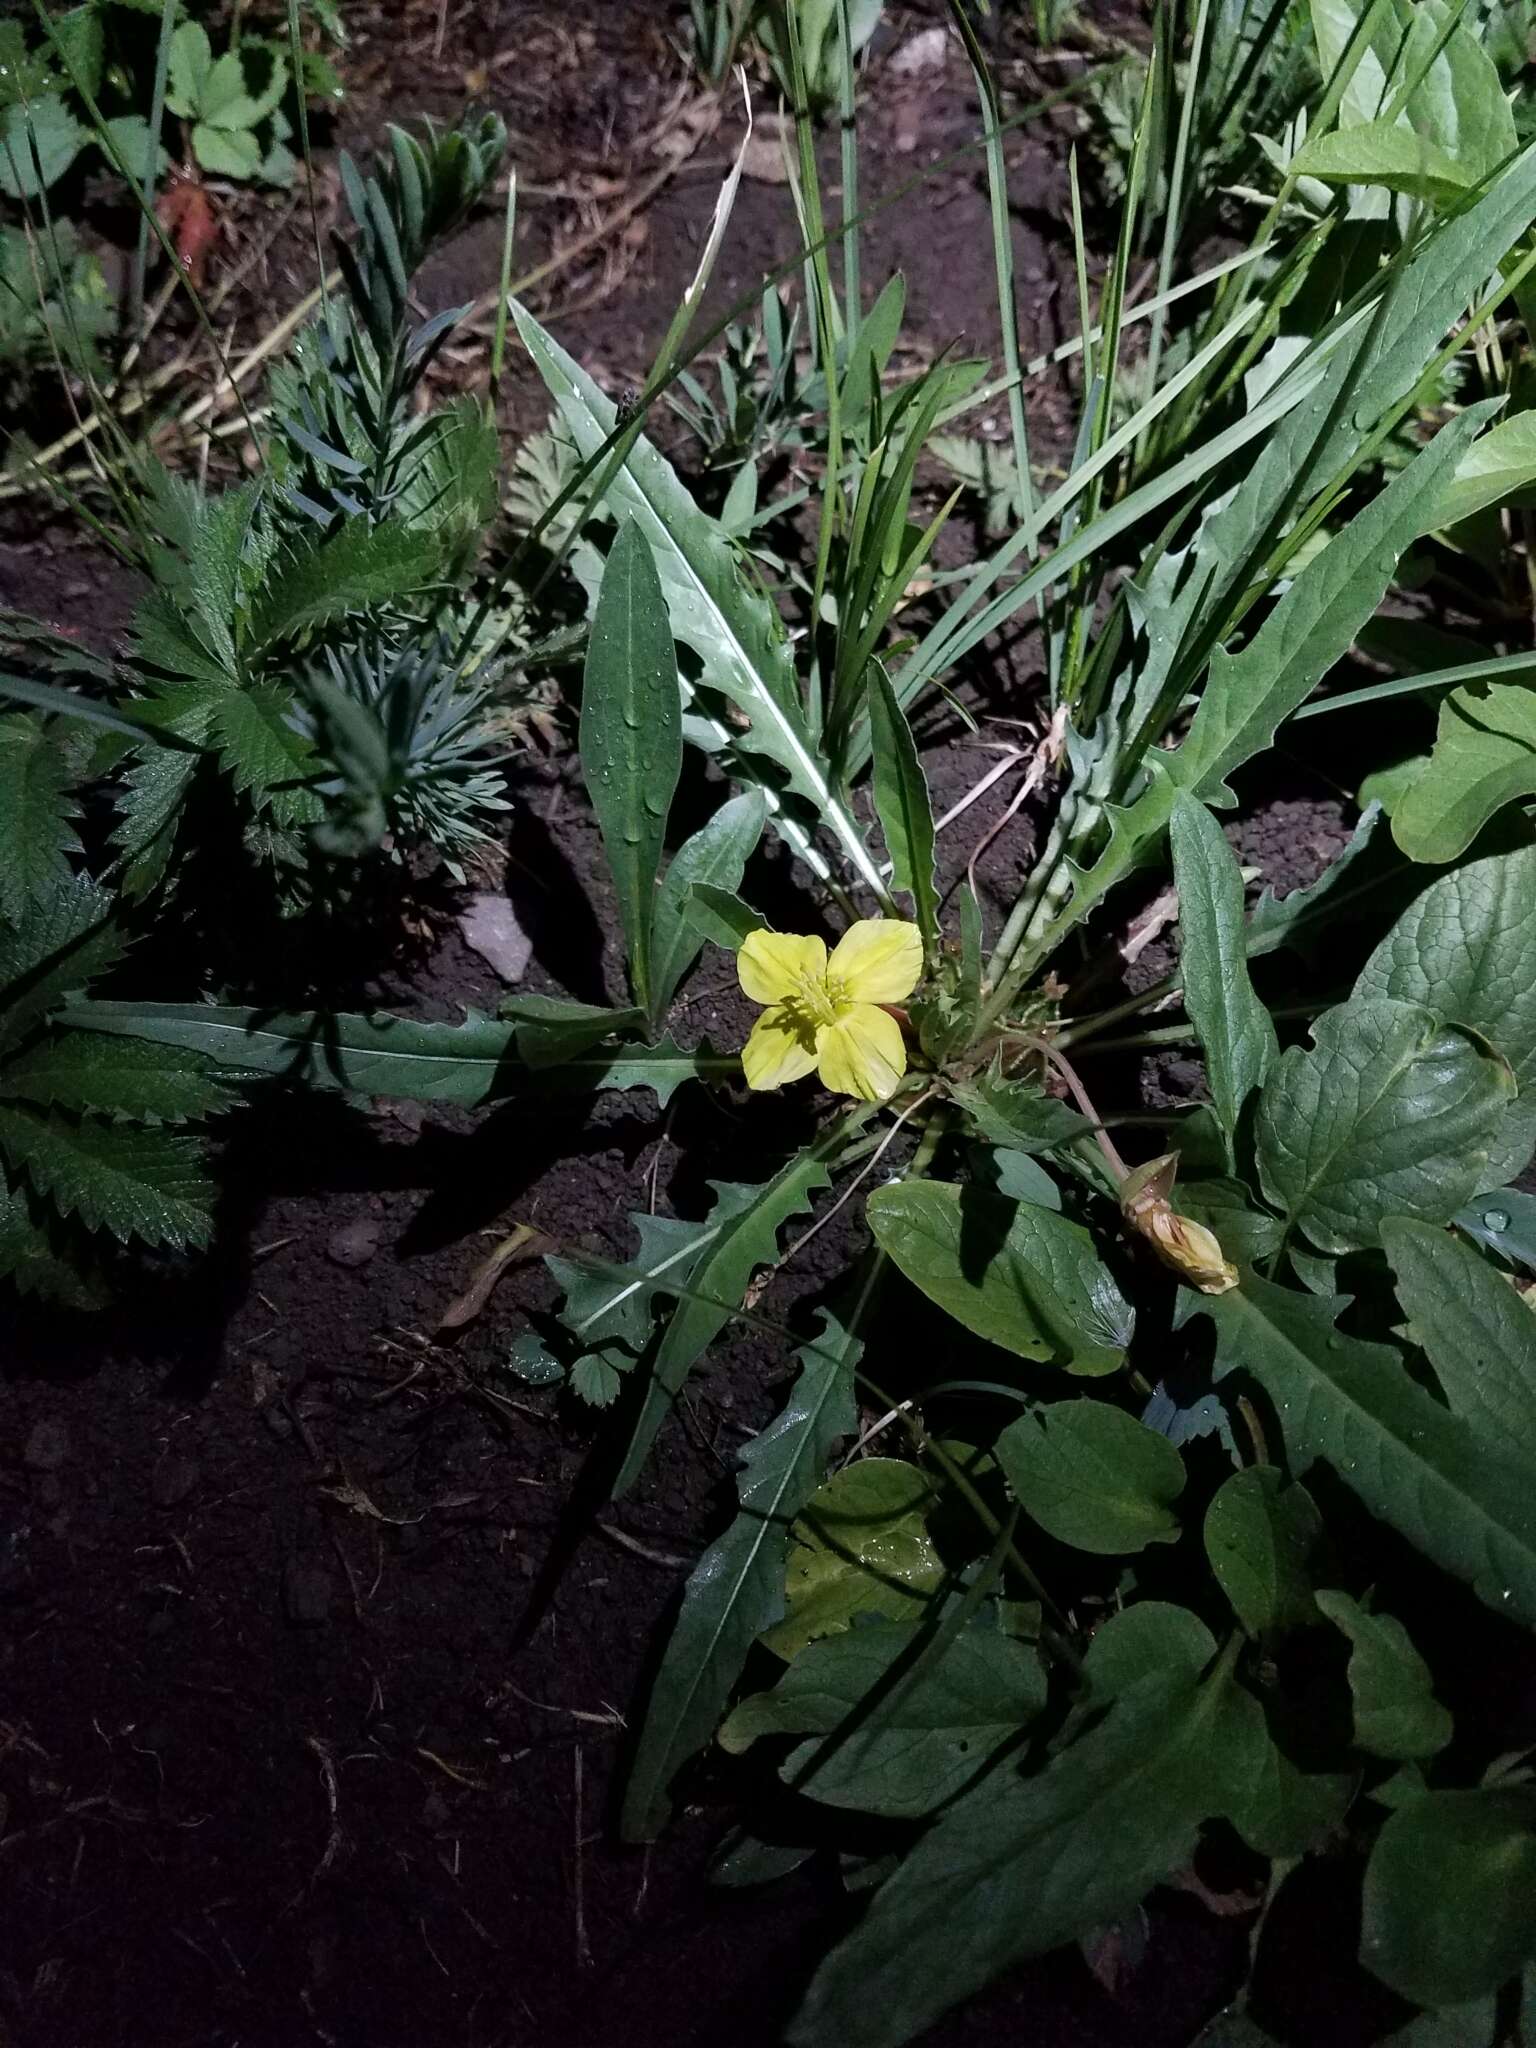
(1193,1251)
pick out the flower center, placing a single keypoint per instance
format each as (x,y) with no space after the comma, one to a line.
(819,999)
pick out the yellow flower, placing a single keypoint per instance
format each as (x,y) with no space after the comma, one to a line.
(824,1013)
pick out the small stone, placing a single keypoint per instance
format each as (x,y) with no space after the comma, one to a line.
(306,1594)
(490,928)
(47,1447)
(434,1811)
(355,1243)
(921,54)
(173,1479)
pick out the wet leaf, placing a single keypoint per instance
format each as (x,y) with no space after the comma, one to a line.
(861,1546)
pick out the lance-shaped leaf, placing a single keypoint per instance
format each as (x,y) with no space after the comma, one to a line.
(901,798)
(1234,1027)
(721,915)
(1411,1461)
(1022,1277)
(1467,948)
(632,737)
(1479,1333)
(1024,1864)
(730,625)
(737,1587)
(749,1240)
(1382,153)
(1393,1112)
(715,857)
(607,1303)
(1450,1894)
(1247,695)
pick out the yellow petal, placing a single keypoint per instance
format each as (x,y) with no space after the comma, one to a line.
(776,1052)
(878,960)
(770,964)
(862,1054)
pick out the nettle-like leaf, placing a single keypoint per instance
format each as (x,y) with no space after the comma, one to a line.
(860,1545)
(1467,1506)
(119,1178)
(1467,948)
(1024,1278)
(59,944)
(1450,1894)
(120,1078)
(632,737)
(1479,1333)
(912,1716)
(1024,1864)
(36,809)
(1260,1533)
(737,1588)
(1396,1713)
(31,1258)
(1093,1476)
(1236,1034)
(1393,1112)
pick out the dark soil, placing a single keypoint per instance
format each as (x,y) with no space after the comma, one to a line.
(318,1644)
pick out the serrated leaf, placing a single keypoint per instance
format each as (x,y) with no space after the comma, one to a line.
(914,1720)
(1393,1113)
(714,859)
(1026,1279)
(1094,1477)
(1450,1894)
(116,1177)
(1396,1713)
(901,800)
(595,1379)
(38,143)
(1467,948)
(632,738)
(737,1588)
(859,1546)
(1260,1533)
(1485,744)
(749,1239)
(1480,1335)
(663,1067)
(36,836)
(607,1303)
(729,625)
(261,753)
(31,1261)
(59,944)
(1008,1113)
(1411,1462)
(554,1029)
(115,1077)
(1234,1028)
(226,152)
(359,567)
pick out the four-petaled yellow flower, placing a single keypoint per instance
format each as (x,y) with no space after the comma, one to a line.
(824,1013)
